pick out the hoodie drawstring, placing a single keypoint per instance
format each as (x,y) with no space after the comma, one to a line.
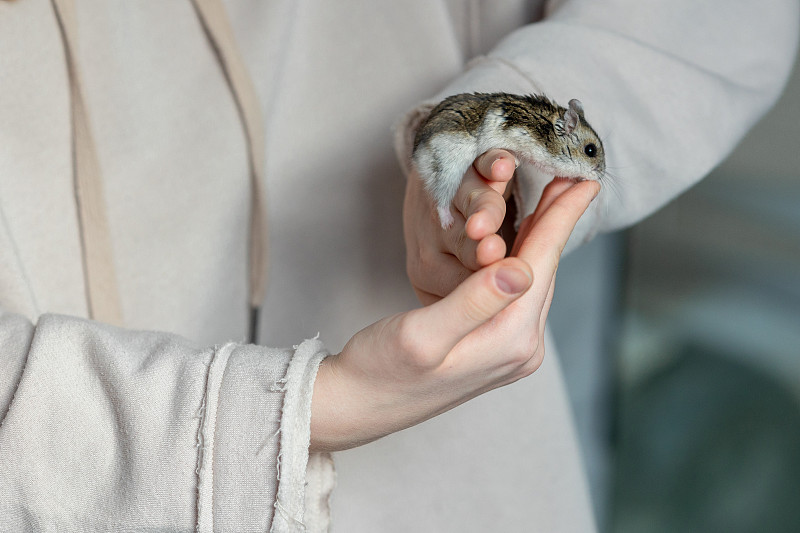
(102,291)
(220,33)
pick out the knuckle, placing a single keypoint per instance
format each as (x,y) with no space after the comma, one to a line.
(528,356)
(425,260)
(464,249)
(478,309)
(459,243)
(546,249)
(536,359)
(535,363)
(472,198)
(480,162)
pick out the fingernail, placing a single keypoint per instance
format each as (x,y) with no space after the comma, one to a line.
(512,280)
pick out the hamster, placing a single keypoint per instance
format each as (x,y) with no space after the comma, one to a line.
(537,131)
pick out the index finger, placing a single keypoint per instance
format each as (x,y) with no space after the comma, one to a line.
(542,237)
(497,167)
(482,206)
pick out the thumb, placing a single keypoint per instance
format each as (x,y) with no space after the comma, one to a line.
(477,300)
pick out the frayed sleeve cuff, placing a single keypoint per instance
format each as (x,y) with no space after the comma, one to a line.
(305,482)
(263,476)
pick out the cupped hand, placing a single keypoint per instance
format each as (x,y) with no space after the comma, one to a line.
(438,260)
(486,333)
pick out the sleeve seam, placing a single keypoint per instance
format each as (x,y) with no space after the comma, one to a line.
(207,413)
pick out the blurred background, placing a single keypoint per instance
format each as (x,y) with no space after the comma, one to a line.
(689,411)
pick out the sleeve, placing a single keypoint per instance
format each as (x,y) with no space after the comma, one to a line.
(108,429)
(670,86)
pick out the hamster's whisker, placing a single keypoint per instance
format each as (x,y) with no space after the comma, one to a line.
(611,184)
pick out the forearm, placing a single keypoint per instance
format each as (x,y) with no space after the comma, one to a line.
(110,426)
(671,88)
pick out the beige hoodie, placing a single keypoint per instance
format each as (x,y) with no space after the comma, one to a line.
(107,428)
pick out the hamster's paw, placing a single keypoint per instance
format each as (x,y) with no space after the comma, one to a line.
(445,217)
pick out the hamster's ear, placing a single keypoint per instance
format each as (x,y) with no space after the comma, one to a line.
(577,106)
(567,124)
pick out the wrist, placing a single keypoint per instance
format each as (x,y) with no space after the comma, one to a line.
(342,412)
(351,407)
(324,406)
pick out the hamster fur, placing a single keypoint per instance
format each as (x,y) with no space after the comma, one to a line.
(557,140)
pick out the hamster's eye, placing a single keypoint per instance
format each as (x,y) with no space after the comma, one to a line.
(590,150)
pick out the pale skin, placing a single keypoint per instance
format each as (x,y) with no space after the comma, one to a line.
(482,326)
(438,260)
